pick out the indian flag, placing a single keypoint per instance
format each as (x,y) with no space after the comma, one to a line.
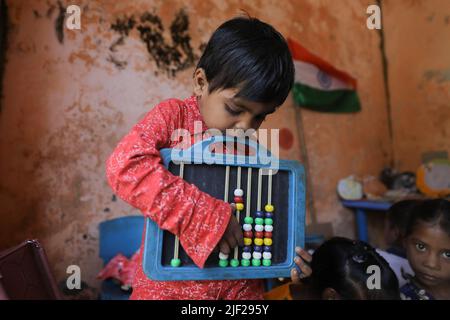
(320,86)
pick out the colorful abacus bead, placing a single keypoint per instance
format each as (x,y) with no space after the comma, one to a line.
(246,255)
(248,220)
(266,262)
(234,262)
(269,208)
(269,215)
(238,200)
(256,262)
(248,241)
(247,227)
(267,241)
(175,262)
(239,206)
(259,241)
(259,214)
(257,248)
(245,262)
(267,234)
(238,193)
(259,221)
(223,259)
(259,227)
(259,234)
(268,228)
(248,234)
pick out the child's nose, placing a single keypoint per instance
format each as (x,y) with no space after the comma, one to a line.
(432,262)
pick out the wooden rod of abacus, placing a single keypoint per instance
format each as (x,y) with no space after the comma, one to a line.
(249,192)
(258,203)
(269,189)
(236,252)
(177,240)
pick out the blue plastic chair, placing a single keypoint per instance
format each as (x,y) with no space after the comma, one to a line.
(121,235)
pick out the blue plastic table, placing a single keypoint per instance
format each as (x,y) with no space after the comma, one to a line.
(361,206)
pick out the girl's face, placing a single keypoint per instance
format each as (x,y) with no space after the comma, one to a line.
(222,110)
(428,251)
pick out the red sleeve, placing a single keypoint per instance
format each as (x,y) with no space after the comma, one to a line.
(136,174)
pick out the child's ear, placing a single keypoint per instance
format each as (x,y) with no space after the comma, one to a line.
(330,294)
(200,82)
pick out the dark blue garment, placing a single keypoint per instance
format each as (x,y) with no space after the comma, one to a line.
(411,291)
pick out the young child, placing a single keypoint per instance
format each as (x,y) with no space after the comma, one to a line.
(394,231)
(427,244)
(340,272)
(244,74)
(395,226)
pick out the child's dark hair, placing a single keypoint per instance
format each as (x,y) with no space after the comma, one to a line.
(398,214)
(433,212)
(342,264)
(250,55)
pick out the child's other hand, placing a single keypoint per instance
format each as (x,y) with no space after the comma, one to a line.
(304,266)
(233,235)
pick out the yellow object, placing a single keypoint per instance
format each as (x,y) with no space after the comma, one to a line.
(269,208)
(432,178)
(258,241)
(239,206)
(267,241)
(247,241)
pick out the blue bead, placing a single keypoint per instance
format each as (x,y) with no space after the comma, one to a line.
(259,214)
(269,215)
(267,249)
(258,248)
(247,249)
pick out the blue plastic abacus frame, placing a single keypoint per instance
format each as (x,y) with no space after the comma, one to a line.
(200,153)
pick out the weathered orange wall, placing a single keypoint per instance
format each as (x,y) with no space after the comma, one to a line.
(418,46)
(66,105)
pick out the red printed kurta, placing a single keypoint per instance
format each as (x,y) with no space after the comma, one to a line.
(136,174)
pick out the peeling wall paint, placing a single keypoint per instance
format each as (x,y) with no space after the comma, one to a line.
(70,96)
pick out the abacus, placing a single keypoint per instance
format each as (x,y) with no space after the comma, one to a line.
(270,235)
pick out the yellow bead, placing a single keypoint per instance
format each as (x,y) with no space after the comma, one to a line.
(239,206)
(258,241)
(247,241)
(269,208)
(267,241)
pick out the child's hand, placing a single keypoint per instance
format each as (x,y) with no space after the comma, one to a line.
(304,266)
(233,234)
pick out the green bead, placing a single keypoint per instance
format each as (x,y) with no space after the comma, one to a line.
(268,221)
(175,262)
(234,262)
(259,221)
(223,263)
(267,262)
(248,220)
(245,262)
(256,262)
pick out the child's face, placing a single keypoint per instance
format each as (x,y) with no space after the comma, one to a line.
(428,251)
(222,110)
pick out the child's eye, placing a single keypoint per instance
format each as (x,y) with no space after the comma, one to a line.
(446,255)
(232,111)
(420,247)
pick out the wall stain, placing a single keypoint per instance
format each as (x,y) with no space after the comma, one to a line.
(169,58)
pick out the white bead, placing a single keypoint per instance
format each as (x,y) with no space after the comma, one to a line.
(238,193)
(246,255)
(223,256)
(256,255)
(267,255)
(247,227)
(259,227)
(268,228)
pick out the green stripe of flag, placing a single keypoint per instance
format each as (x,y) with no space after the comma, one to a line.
(340,101)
